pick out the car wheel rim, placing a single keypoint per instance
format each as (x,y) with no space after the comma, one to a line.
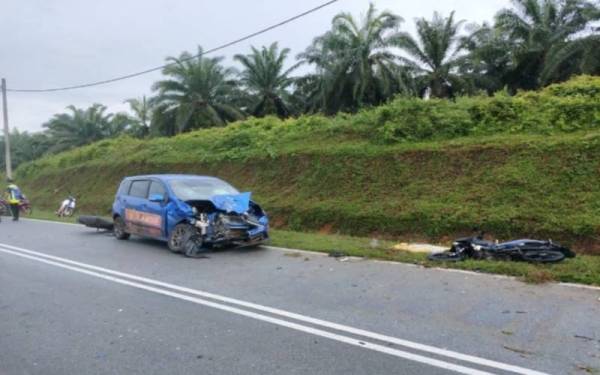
(176,240)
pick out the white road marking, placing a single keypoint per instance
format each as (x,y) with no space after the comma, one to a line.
(265,318)
(81,267)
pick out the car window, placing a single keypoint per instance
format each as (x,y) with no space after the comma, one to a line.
(156,188)
(139,188)
(200,188)
(124,188)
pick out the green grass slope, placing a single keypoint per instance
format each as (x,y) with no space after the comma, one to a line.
(522,166)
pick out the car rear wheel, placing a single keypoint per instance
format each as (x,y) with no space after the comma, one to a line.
(119,229)
(180,236)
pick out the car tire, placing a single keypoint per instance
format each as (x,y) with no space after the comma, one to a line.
(119,229)
(179,236)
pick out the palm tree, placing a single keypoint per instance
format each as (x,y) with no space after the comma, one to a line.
(435,53)
(80,127)
(487,63)
(549,39)
(141,118)
(354,65)
(199,91)
(266,79)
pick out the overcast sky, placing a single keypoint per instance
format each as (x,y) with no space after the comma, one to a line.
(65,42)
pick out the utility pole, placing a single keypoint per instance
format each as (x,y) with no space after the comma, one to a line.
(7,160)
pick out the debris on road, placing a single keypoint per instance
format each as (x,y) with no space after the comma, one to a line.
(586,338)
(587,369)
(519,351)
(337,254)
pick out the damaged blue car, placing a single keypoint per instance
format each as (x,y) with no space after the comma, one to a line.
(191,213)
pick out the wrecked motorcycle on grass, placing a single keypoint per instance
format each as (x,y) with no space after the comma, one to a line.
(533,251)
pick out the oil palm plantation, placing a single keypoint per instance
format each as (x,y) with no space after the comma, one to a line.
(435,52)
(549,39)
(354,65)
(198,92)
(487,63)
(266,79)
(140,119)
(79,127)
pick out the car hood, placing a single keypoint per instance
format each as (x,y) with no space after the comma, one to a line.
(238,203)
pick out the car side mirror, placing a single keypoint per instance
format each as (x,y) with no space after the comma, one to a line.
(159,198)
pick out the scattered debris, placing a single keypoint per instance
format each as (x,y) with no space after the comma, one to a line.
(337,254)
(587,369)
(520,351)
(584,338)
(508,333)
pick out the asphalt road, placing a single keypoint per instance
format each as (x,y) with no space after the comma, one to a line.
(74,301)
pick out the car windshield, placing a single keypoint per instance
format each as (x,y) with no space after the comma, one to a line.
(191,189)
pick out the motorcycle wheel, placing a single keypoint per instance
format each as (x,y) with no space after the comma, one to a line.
(543,256)
(446,256)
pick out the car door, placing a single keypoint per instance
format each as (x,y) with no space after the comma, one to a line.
(156,209)
(137,200)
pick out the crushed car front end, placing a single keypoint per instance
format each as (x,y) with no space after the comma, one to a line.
(230,220)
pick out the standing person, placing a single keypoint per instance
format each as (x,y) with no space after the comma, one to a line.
(14,196)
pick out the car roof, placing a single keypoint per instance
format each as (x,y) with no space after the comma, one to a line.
(169,177)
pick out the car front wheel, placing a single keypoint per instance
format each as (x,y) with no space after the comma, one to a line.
(179,236)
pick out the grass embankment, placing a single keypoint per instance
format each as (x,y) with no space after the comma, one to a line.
(512,166)
(584,269)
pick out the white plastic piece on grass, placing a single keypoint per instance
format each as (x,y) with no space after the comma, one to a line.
(419,248)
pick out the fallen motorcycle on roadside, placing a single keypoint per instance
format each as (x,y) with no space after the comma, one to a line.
(527,250)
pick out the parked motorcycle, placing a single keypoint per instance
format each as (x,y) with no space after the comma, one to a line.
(67,207)
(534,251)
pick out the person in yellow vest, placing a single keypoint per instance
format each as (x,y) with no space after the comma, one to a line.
(13,197)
